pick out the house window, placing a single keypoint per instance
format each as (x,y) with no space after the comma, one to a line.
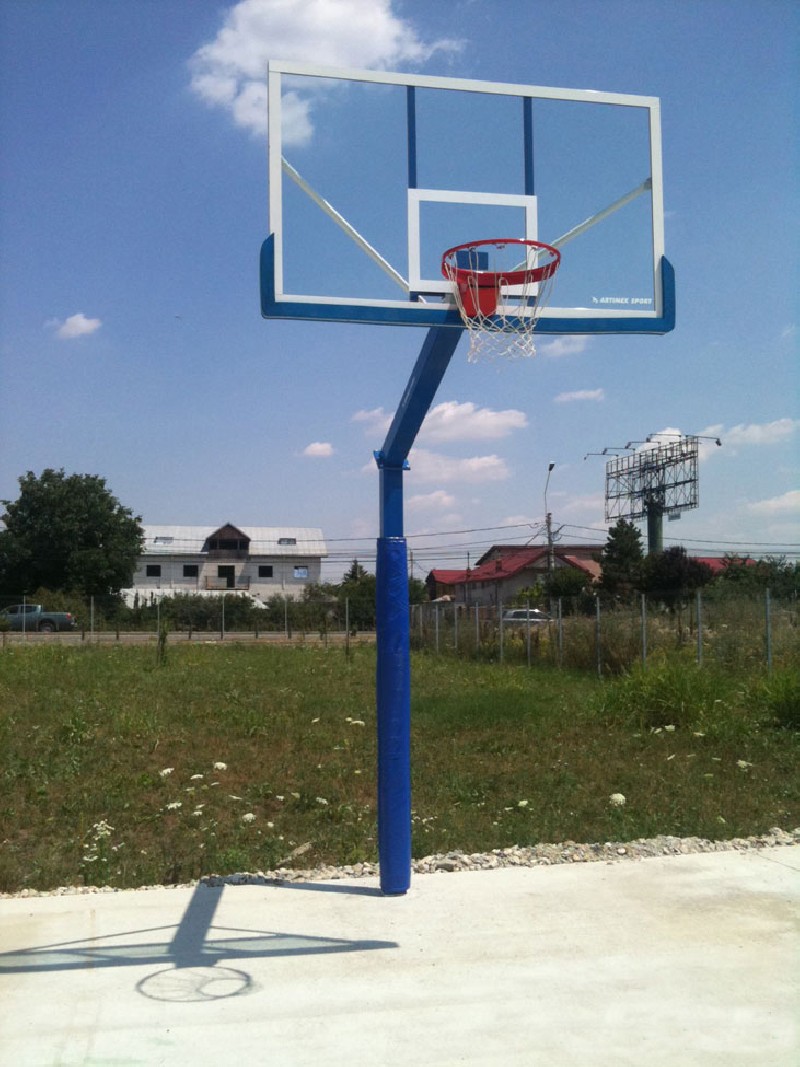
(153,570)
(163,540)
(287,540)
(301,572)
(191,570)
(265,570)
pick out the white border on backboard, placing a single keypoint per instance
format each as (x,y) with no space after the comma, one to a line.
(418,284)
(650,103)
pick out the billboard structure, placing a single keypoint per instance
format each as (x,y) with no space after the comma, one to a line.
(654,482)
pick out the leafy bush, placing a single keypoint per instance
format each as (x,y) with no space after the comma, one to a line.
(778,698)
(674,693)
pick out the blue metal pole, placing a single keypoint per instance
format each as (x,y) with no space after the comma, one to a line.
(393,671)
(393,690)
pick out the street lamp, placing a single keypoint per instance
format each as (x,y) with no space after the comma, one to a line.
(549,521)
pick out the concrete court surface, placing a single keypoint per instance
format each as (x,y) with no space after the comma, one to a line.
(681,960)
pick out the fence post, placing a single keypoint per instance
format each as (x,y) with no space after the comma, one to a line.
(768,622)
(436,627)
(502,631)
(699,628)
(598,651)
(477,629)
(455,627)
(643,614)
(528,627)
(560,634)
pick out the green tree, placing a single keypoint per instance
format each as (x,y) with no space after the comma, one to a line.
(621,561)
(67,533)
(417,591)
(752,577)
(671,576)
(566,582)
(358,587)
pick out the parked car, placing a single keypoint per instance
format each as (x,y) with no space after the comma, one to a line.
(33,618)
(525,616)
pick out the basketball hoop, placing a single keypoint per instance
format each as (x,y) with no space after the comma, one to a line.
(499,296)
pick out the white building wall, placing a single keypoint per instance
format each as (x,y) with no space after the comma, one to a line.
(291,573)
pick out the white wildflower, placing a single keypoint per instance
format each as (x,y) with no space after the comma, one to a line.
(357,722)
(743,765)
(522,803)
(174,805)
(166,772)
(220,766)
(316,720)
(233,796)
(669,729)
(196,778)
(278,796)
(617,800)
(321,800)
(271,825)
(248,817)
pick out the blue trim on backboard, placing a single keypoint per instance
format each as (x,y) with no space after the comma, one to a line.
(411,116)
(436,315)
(527,141)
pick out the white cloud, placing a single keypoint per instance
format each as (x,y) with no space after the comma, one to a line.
(433,467)
(454,421)
(438,499)
(590,504)
(788,331)
(75,326)
(581,394)
(318,449)
(767,433)
(777,505)
(377,420)
(231,70)
(562,346)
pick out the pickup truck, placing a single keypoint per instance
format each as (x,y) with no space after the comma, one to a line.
(32,618)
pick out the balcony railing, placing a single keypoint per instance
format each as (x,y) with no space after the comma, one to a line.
(242,582)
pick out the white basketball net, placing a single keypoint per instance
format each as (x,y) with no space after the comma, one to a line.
(507,331)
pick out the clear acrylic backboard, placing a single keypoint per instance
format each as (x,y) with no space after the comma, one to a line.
(372,175)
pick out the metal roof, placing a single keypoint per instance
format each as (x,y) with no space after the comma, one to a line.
(264,540)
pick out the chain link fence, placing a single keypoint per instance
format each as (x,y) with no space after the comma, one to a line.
(733,630)
(185,617)
(585,633)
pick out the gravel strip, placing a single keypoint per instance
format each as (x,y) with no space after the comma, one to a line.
(451,862)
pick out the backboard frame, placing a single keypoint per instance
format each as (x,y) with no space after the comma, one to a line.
(277,302)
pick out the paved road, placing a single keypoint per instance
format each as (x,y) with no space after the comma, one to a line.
(180,637)
(685,961)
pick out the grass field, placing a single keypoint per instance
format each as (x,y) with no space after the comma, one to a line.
(123,767)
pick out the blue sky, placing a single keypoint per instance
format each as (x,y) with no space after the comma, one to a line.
(135,201)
